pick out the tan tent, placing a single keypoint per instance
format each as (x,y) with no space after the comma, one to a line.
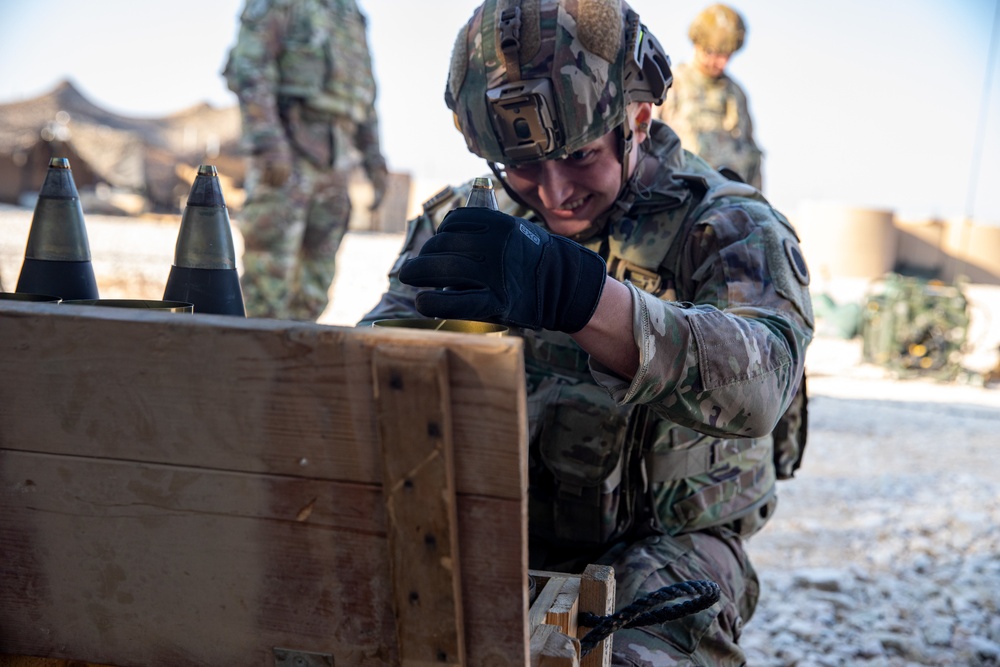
(148,159)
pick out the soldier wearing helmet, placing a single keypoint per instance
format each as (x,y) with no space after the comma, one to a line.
(664,311)
(706,108)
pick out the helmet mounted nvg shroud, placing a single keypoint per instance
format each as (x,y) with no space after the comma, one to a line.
(535,79)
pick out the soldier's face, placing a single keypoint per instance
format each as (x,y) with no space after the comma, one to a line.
(710,63)
(570,193)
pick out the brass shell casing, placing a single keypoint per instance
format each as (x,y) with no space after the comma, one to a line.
(482,195)
(453,326)
(19,296)
(140,304)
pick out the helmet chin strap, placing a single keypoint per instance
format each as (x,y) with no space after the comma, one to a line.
(625,135)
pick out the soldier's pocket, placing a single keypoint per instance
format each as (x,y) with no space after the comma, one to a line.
(303,66)
(581,442)
(684,635)
(650,565)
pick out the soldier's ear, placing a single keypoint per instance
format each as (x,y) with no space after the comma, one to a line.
(640,114)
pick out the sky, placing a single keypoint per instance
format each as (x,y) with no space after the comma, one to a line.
(875,104)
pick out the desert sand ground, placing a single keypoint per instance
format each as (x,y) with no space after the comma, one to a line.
(885,549)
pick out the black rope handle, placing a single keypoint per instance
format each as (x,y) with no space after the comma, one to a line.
(643,611)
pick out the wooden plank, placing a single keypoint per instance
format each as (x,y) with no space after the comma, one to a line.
(28,661)
(544,600)
(414,417)
(597,596)
(557,603)
(564,610)
(277,397)
(552,648)
(142,564)
(234,564)
(563,596)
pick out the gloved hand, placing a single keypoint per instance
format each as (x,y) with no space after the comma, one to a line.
(505,270)
(275,167)
(276,173)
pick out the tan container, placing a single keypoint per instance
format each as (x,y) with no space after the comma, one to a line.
(975,250)
(920,247)
(843,241)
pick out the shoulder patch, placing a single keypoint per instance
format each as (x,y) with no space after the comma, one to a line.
(797,261)
(787,267)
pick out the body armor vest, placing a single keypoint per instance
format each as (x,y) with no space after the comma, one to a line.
(325,61)
(599,471)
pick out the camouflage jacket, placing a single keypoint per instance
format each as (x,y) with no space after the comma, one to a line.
(722,318)
(304,62)
(712,118)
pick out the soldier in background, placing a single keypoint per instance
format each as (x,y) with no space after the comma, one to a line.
(303,75)
(706,108)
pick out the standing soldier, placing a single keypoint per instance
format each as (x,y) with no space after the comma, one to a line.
(303,74)
(706,108)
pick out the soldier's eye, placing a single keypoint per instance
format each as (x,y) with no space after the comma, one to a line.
(581,154)
(523,170)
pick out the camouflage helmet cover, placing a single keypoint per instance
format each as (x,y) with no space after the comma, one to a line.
(534,79)
(719,29)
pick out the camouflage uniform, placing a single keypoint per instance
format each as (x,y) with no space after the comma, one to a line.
(723,333)
(662,475)
(303,74)
(712,118)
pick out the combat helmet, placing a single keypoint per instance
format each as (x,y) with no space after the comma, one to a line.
(540,79)
(718,29)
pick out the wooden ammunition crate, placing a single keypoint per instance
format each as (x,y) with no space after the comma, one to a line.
(182,489)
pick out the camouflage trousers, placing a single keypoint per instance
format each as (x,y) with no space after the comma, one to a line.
(291,235)
(709,637)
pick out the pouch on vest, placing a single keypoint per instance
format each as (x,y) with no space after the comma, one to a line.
(302,68)
(581,442)
(699,481)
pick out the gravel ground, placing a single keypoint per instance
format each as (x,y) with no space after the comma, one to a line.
(885,549)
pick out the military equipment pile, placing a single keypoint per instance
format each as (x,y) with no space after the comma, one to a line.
(916,327)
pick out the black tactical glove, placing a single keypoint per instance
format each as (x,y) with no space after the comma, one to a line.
(506,270)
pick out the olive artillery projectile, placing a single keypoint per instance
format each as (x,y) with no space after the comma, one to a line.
(204,270)
(482,195)
(57,257)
